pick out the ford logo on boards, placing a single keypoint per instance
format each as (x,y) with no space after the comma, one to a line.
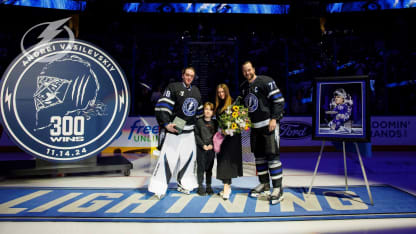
(293,130)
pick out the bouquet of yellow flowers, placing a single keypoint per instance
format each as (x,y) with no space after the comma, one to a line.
(234,120)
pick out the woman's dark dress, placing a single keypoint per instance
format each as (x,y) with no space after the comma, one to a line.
(230,158)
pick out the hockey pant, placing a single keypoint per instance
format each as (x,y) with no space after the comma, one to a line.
(178,151)
(267,156)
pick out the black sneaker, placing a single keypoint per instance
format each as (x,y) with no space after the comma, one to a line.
(260,190)
(201,191)
(276,196)
(209,190)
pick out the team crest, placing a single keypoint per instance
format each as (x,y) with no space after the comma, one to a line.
(65,107)
(189,106)
(251,102)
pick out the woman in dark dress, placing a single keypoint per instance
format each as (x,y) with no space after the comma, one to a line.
(229,159)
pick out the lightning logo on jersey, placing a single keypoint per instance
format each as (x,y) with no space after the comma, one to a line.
(251,102)
(189,106)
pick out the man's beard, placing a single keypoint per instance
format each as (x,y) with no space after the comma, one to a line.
(250,77)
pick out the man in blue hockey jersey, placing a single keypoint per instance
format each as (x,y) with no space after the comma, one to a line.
(178,148)
(340,108)
(265,104)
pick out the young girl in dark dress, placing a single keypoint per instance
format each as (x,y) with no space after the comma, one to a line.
(229,159)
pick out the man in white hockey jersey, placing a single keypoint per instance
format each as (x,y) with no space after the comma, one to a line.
(178,148)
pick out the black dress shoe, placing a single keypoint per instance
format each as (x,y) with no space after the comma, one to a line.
(201,191)
(209,190)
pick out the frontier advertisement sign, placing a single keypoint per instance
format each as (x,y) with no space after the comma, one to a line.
(294,131)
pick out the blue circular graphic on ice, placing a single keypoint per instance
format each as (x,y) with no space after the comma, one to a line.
(189,106)
(251,102)
(67,108)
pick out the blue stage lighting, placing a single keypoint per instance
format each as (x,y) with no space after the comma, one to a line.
(54,4)
(219,8)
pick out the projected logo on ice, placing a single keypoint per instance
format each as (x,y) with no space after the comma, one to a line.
(64,107)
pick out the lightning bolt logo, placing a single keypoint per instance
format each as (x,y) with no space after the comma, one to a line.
(8,98)
(121,97)
(52,30)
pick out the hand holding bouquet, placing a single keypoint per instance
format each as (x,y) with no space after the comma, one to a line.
(234,120)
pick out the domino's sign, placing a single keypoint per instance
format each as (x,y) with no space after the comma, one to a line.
(66,107)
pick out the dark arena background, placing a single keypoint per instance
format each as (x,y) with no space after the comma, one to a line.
(292,41)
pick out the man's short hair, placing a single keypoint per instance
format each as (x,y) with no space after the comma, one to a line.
(186,68)
(247,62)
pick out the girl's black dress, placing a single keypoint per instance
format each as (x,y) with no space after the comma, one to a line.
(230,158)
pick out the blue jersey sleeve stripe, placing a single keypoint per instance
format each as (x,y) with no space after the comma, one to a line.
(276,96)
(164,105)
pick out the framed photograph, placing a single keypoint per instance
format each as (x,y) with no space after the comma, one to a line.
(341,109)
